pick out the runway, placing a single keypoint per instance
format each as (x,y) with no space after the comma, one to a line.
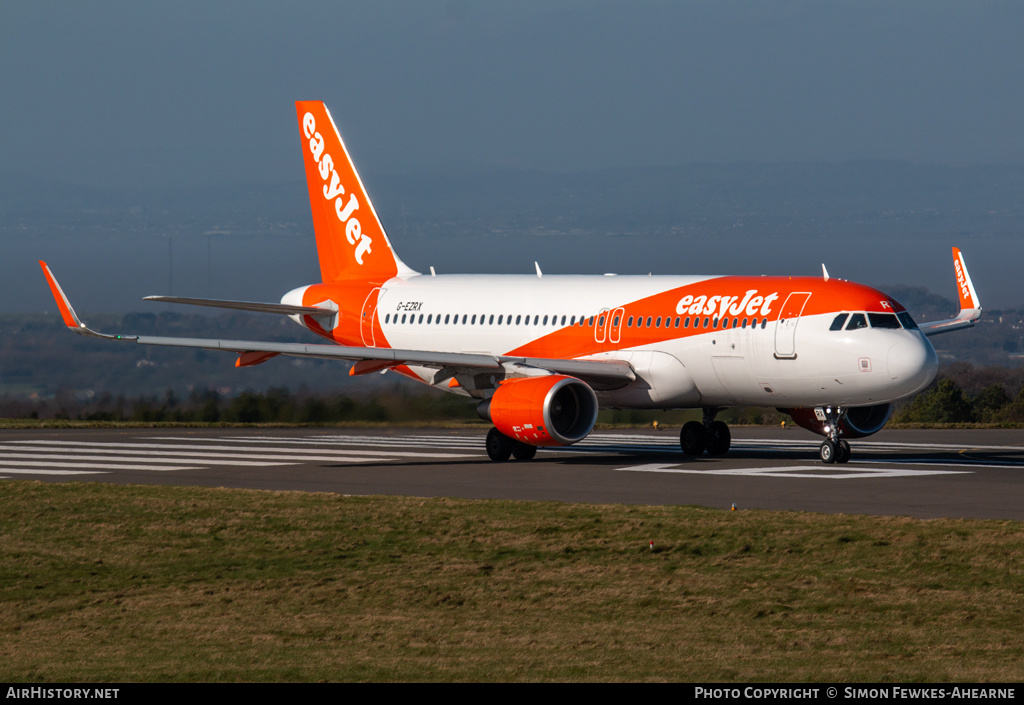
(926,474)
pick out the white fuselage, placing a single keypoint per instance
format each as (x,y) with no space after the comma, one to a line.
(757,353)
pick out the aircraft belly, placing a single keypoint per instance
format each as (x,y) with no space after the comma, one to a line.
(663,382)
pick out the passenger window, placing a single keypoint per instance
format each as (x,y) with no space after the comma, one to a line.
(857,320)
(837,324)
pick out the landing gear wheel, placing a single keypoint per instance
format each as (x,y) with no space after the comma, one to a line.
(844,452)
(499,446)
(523,451)
(719,438)
(693,438)
(828,452)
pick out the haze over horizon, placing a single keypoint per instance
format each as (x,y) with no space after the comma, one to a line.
(122,96)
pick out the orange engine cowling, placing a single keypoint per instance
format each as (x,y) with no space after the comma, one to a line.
(856,422)
(554,410)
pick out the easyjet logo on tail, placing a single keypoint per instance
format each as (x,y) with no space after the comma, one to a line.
(750,305)
(961,282)
(333,190)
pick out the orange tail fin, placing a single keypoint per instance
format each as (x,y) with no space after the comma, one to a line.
(350,239)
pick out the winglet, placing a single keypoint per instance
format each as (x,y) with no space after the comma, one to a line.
(968,297)
(71,319)
(970,305)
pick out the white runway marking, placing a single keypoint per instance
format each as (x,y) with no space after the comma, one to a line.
(22,471)
(241,459)
(104,466)
(139,456)
(195,454)
(172,453)
(835,472)
(383,453)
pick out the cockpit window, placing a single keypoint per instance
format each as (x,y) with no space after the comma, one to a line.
(857,320)
(884,320)
(837,324)
(906,320)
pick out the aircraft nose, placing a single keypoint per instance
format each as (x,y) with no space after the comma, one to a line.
(912,364)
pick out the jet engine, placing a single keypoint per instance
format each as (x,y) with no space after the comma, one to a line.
(553,410)
(856,422)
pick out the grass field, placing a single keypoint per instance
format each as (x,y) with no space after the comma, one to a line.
(108,583)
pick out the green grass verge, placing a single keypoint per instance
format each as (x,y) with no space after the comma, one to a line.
(108,583)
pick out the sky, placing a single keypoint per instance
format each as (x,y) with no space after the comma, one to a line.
(142,95)
(123,94)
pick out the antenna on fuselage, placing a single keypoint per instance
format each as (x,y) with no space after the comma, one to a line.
(539,273)
(824,272)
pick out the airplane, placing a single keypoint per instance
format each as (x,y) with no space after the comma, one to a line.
(542,354)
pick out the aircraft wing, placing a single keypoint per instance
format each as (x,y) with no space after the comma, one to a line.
(970,305)
(254,352)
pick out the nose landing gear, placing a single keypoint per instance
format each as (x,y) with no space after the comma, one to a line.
(834,449)
(832,452)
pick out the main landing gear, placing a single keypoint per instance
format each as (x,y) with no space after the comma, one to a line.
(833,449)
(710,435)
(500,447)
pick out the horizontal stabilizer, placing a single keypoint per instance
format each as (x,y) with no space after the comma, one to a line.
(255,306)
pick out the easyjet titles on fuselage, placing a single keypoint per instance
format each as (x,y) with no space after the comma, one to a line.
(722,305)
(334,190)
